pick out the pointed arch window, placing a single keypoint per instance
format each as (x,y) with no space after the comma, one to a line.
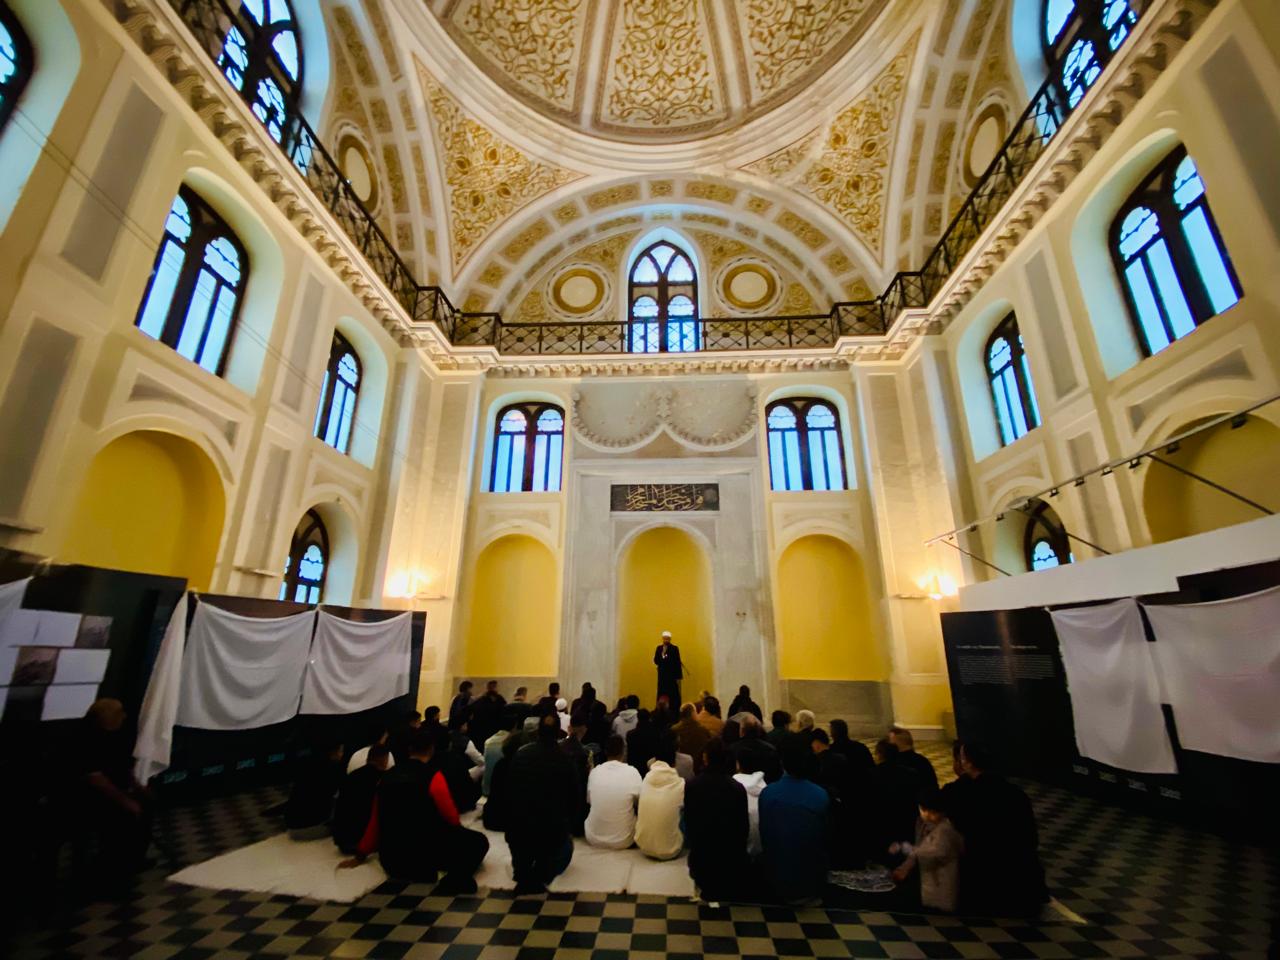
(262,57)
(336,414)
(663,302)
(1045,542)
(806,450)
(1079,37)
(308,561)
(1017,412)
(528,448)
(1170,256)
(17,62)
(197,283)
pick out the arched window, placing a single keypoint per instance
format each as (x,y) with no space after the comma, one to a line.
(337,411)
(197,283)
(308,561)
(1079,38)
(528,448)
(1166,246)
(805,448)
(262,58)
(1010,377)
(1044,542)
(663,298)
(17,61)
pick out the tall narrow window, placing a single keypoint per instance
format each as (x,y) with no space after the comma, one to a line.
(17,62)
(528,448)
(308,561)
(806,451)
(1015,398)
(1079,38)
(337,411)
(663,298)
(262,58)
(1045,542)
(1166,246)
(197,283)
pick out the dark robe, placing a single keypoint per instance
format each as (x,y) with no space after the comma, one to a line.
(859,756)
(670,672)
(572,748)
(755,753)
(716,830)
(1000,870)
(541,811)
(486,717)
(894,789)
(834,775)
(355,803)
(642,744)
(743,704)
(460,710)
(314,787)
(921,767)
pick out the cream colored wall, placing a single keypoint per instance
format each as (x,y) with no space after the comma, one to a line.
(1099,399)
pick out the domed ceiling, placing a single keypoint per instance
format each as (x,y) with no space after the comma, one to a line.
(655,70)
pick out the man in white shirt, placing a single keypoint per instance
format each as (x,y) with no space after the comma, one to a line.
(612,791)
(658,833)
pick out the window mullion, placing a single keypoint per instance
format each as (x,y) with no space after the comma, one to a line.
(530,445)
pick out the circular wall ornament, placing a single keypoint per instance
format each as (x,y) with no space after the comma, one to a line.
(749,286)
(357,166)
(578,291)
(986,136)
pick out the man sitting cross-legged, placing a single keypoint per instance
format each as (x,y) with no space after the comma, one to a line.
(612,791)
(415,829)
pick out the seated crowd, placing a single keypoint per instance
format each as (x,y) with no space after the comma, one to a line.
(763,815)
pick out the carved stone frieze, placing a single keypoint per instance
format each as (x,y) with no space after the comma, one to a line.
(709,416)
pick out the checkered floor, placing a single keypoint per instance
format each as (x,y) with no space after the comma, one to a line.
(1145,888)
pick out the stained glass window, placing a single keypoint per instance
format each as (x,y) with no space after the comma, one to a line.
(663,302)
(1045,542)
(262,59)
(1170,256)
(17,62)
(1079,37)
(806,451)
(197,283)
(528,449)
(336,413)
(308,561)
(1010,376)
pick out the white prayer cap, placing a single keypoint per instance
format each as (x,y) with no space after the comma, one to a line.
(562,704)
(666,634)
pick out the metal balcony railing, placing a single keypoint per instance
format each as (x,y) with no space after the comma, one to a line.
(210,20)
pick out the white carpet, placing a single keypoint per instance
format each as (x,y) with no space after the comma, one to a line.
(280,865)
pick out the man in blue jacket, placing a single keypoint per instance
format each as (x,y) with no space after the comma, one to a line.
(794,830)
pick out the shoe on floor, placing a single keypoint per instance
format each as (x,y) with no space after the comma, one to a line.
(530,890)
(455,886)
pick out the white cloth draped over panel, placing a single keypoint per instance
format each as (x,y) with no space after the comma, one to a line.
(242,672)
(356,666)
(1115,696)
(154,746)
(1220,666)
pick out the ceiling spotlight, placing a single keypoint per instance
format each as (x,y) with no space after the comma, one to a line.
(1135,463)
(999,517)
(1079,482)
(1053,491)
(973,528)
(1238,421)
(1173,447)
(1106,471)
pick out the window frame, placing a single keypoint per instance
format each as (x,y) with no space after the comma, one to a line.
(1039,529)
(11,91)
(207,225)
(1155,193)
(339,348)
(532,410)
(262,62)
(310,529)
(663,292)
(1008,330)
(799,407)
(1085,23)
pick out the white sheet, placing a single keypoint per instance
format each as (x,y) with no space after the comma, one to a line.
(1115,698)
(159,711)
(356,666)
(243,672)
(1220,666)
(11,595)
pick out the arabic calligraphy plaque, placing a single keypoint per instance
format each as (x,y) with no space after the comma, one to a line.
(635,497)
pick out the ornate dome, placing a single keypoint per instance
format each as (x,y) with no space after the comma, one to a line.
(655,70)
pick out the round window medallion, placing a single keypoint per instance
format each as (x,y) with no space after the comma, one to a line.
(749,286)
(357,168)
(985,139)
(578,291)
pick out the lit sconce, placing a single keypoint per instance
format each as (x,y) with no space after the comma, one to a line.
(933,586)
(411,585)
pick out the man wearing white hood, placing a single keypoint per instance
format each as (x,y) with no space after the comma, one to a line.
(752,780)
(658,833)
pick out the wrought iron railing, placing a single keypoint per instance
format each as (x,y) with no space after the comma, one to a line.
(209,21)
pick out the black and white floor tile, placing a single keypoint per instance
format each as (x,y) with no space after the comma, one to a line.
(1144,888)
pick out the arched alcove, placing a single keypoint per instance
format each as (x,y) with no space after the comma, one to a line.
(1245,460)
(150,502)
(344,551)
(664,583)
(826,622)
(514,617)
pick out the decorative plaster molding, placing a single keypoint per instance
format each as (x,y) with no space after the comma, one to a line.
(665,421)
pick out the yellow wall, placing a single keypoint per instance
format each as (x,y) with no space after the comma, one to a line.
(150,502)
(664,583)
(825,618)
(515,611)
(1246,460)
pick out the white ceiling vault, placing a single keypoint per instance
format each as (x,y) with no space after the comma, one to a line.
(829,141)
